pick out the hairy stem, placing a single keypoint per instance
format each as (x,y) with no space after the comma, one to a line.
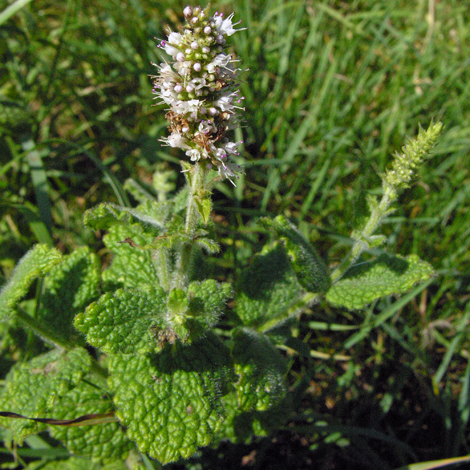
(55,340)
(361,243)
(44,333)
(197,191)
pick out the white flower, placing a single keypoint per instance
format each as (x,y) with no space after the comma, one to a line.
(231,147)
(183,68)
(176,140)
(184,107)
(174,38)
(170,50)
(207,126)
(229,170)
(225,27)
(194,155)
(198,83)
(225,103)
(167,96)
(220,60)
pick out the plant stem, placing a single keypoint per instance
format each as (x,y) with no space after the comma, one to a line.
(197,181)
(161,263)
(54,340)
(361,243)
(197,189)
(39,330)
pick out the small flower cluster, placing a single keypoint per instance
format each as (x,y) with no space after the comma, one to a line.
(413,154)
(199,88)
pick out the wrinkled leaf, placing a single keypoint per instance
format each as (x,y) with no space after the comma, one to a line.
(268,290)
(312,272)
(106,215)
(33,388)
(101,442)
(68,288)
(124,321)
(260,402)
(75,463)
(36,263)
(384,276)
(170,402)
(240,426)
(261,370)
(204,207)
(207,303)
(132,264)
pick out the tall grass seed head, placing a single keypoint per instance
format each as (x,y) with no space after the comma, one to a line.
(199,84)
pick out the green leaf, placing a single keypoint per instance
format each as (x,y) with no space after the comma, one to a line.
(125,321)
(312,272)
(105,215)
(211,246)
(208,298)
(68,288)
(75,463)
(33,388)
(140,191)
(101,442)
(6,13)
(178,302)
(207,303)
(174,235)
(268,290)
(36,263)
(260,403)
(261,370)
(132,264)
(204,207)
(240,426)
(180,200)
(386,275)
(187,172)
(170,402)
(157,212)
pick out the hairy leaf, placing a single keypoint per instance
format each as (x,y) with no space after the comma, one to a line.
(260,402)
(204,207)
(312,272)
(132,264)
(33,388)
(125,321)
(106,215)
(261,370)
(68,288)
(208,244)
(207,303)
(174,235)
(36,263)
(240,426)
(170,402)
(102,442)
(76,463)
(268,290)
(386,275)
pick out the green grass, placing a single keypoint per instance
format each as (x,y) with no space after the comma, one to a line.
(333,89)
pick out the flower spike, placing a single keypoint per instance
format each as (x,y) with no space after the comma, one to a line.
(199,86)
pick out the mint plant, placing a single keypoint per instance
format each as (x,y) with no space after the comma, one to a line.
(134,362)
